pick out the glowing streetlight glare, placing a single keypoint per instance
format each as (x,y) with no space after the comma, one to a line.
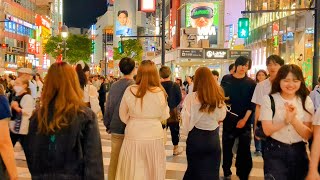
(64,31)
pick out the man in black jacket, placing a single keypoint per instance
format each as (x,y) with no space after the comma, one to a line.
(239,89)
(174,99)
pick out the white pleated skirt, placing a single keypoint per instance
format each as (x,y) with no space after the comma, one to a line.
(142,155)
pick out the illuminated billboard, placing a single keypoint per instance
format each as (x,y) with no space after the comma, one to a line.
(148,5)
(205,17)
(123,23)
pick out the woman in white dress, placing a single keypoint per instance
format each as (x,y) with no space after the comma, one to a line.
(143,107)
(90,92)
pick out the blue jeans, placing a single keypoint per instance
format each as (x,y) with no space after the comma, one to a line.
(257,143)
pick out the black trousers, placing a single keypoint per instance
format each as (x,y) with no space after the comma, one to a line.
(243,159)
(284,161)
(175,132)
(102,107)
(18,137)
(203,155)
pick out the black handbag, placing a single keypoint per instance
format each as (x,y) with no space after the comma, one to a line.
(259,130)
(3,170)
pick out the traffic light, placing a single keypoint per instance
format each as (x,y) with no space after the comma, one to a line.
(120,47)
(243,27)
(4,45)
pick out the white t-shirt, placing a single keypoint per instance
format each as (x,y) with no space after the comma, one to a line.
(91,96)
(263,88)
(192,117)
(33,89)
(316,118)
(288,134)
(315,97)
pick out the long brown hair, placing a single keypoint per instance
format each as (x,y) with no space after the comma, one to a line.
(209,93)
(61,91)
(147,79)
(283,72)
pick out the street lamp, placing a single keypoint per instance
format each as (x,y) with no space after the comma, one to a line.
(64,34)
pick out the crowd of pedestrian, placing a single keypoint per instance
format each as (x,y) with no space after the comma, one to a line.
(55,119)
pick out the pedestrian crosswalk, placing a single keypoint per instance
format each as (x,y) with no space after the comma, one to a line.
(176,165)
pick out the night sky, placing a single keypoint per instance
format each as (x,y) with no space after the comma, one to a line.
(83,13)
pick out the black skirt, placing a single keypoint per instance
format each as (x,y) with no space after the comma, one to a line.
(203,155)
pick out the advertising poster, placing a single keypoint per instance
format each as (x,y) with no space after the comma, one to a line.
(205,17)
(123,23)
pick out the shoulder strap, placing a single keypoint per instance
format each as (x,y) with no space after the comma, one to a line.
(273,107)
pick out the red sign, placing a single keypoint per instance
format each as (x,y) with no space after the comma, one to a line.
(32,46)
(40,21)
(37,47)
(148,5)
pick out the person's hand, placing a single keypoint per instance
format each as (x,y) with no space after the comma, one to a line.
(257,138)
(14,104)
(291,112)
(313,175)
(241,123)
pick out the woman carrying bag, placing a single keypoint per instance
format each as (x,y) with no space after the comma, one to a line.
(7,161)
(285,154)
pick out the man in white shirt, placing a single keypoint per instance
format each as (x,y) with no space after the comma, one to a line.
(315,95)
(263,88)
(28,74)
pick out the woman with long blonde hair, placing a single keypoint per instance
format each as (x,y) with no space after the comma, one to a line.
(143,107)
(202,111)
(64,141)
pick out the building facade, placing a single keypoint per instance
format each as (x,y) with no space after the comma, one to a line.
(287,34)
(27,26)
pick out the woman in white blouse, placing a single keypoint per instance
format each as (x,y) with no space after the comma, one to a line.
(288,125)
(143,107)
(202,110)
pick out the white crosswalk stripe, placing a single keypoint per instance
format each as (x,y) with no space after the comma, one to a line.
(176,165)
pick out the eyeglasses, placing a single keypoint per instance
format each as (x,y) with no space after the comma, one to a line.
(202,11)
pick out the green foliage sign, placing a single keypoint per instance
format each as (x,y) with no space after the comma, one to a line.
(130,48)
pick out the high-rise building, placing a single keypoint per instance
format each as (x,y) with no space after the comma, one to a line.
(27,26)
(18,31)
(57,16)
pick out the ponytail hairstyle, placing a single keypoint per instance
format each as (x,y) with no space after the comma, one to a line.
(81,68)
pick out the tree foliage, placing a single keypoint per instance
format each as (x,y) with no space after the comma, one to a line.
(132,48)
(78,48)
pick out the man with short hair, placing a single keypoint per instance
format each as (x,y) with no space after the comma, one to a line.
(215,75)
(28,74)
(174,99)
(274,63)
(112,120)
(238,88)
